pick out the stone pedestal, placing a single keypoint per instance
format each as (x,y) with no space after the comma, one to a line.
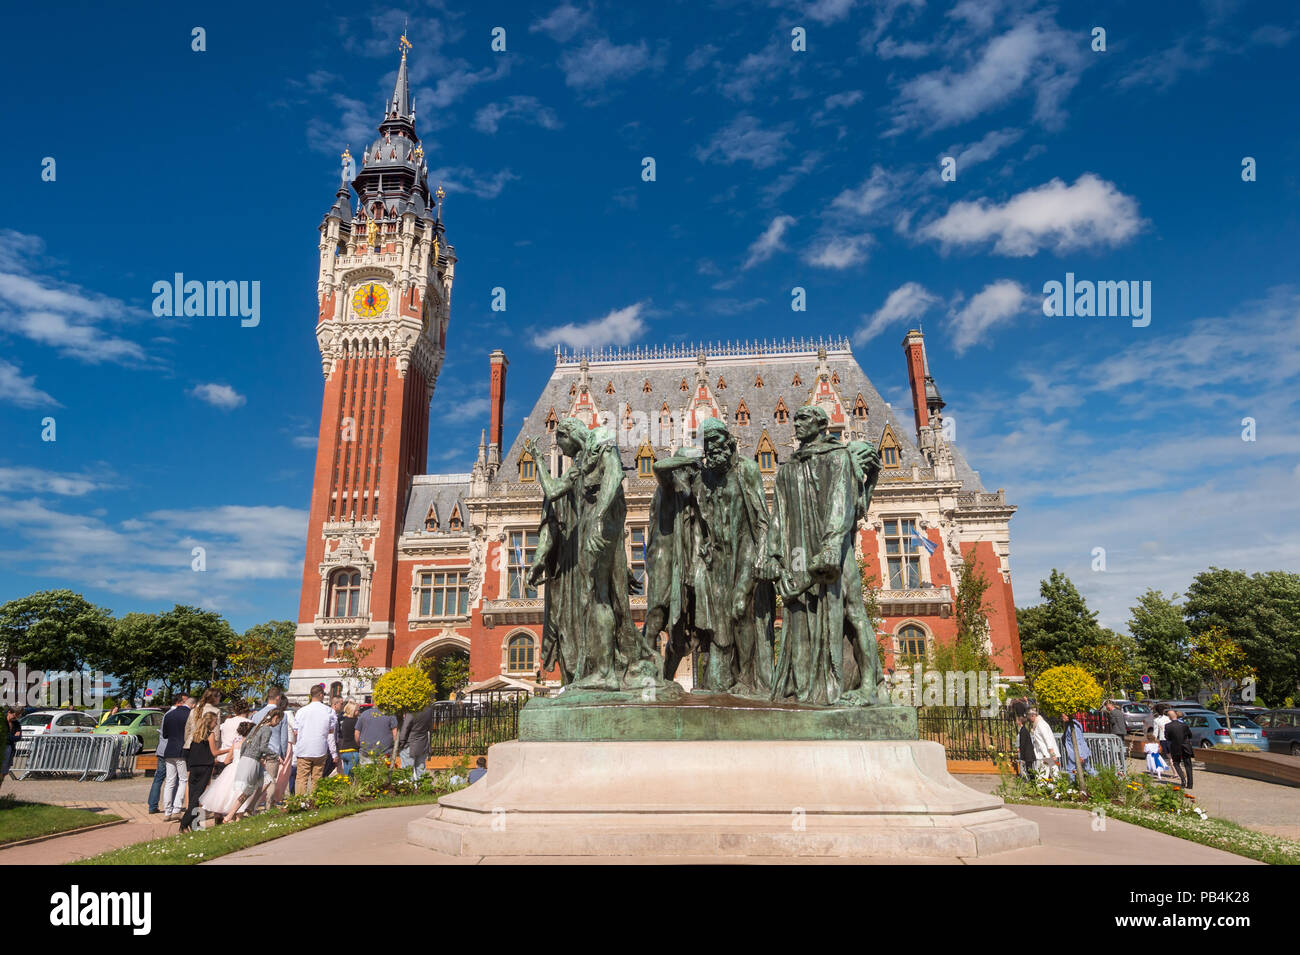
(724,798)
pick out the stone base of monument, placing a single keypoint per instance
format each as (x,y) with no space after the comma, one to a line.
(722,798)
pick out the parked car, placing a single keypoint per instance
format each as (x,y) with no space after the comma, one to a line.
(1183,706)
(53,721)
(1250,712)
(1282,730)
(146,724)
(1211,729)
(1135,714)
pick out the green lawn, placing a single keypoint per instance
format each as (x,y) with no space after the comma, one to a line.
(192,848)
(27,820)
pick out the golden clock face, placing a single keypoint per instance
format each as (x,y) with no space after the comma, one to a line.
(370,299)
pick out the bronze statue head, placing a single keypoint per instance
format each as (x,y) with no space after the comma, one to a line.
(809,422)
(718,444)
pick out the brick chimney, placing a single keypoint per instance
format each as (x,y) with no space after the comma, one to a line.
(914,348)
(495,442)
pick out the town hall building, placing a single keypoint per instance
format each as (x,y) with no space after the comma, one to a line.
(411,565)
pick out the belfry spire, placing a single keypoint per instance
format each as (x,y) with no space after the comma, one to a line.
(401,101)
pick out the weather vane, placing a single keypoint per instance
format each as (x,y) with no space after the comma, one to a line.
(404,44)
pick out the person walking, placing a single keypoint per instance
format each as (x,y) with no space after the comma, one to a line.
(413,741)
(1044,740)
(1075,744)
(1158,726)
(1118,724)
(316,731)
(160,765)
(13,733)
(217,797)
(240,713)
(252,780)
(377,734)
(173,755)
(1156,765)
(348,741)
(199,759)
(209,703)
(278,747)
(1179,738)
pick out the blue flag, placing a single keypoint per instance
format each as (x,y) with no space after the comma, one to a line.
(925,542)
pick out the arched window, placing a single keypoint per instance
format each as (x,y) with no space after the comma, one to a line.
(911,643)
(345,593)
(333,651)
(521,654)
(336,689)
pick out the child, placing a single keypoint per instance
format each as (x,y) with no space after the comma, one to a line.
(1156,764)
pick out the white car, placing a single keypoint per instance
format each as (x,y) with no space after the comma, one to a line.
(53,721)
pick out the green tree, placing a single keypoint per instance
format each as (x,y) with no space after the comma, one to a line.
(449,673)
(355,669)
(1066,690)
(186,642)
(1260,613)
(972,618)
(1157,625)
(259,659)
(1062,625)
(1221,663)
(1109,664)
(53,630)
(127,654)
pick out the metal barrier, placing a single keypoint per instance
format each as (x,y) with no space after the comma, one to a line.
(472,725)
(1108,751)
(102,757)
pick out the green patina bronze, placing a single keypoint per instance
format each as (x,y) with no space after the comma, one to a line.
(708,718)
(588,631)
(820,494)
(708,530)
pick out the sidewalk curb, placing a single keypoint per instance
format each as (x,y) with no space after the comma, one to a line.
(60,835)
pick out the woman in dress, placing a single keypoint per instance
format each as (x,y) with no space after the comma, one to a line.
(250,779)
(199,759)
(217,798)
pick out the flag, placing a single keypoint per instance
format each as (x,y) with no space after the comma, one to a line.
(925,542)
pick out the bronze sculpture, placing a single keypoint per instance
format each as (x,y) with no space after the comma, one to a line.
(588,631)
(708,533)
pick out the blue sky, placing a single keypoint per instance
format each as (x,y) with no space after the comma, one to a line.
(775,168)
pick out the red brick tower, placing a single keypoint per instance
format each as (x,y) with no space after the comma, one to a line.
(384,294)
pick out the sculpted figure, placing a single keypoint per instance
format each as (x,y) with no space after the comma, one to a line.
(588,631)
(862,671)
(708,534)
(810,555)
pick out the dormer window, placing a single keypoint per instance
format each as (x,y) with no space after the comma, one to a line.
(796,381)
(455,522)
(645,388)
(645,459)
(431,520)
(890,451)
(835,378)
(722,383)
(609,388)
(782,412)
(742,414)
(766,454)
(527,468)
(684,386)
(758,382)
(551,420)
(860,409)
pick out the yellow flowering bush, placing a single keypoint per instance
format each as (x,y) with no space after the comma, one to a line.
(403,690)
(1067,689)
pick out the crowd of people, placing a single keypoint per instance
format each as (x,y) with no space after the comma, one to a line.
(224,769)
(1168,741)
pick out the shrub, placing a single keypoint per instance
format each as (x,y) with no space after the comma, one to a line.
(403,690)
(1067,689)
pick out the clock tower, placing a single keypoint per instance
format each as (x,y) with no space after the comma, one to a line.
(384,294)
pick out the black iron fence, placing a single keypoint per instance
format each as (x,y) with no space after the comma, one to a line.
(468,727)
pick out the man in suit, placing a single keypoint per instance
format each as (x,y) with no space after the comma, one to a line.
(173,755)
(1179,738)
(413,743)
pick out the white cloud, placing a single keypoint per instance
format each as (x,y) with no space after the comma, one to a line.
(745,140)
(839,251)
(1034,56)
(769,243)
(600,61)
(219,396)
(27,479)
(988,146)
(563,23)
(868,196)
(908,302)
(828,11)
(889,49)
(619,327)
(21,390)
(60,314)
(1092,212)
(305,440)
(995,304)
(527,108)
(842,100)
(464,179)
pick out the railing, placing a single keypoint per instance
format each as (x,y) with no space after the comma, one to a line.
(102,757)
(470,726)
(968,733)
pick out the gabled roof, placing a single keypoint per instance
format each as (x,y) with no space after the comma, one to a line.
(442,493)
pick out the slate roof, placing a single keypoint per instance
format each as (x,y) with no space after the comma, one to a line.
(740,366)
(441,491)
